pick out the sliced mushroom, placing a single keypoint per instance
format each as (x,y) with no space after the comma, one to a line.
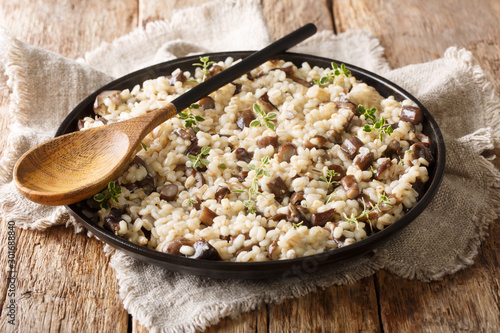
(265,104)
(237,89)
(420,150)
(245,118)
(193,149)
(221,193)
(348,122)
(278,187)
(207,103)
(186,134)
(243,155)
(364,161)
(112,221)
(316,141)
(278,217)
(320,219)
(173,247)
(286,152)
(207,216)
(365,201)
(334,136)
(424,139)
(350,186)
(411,114)
(418,186)
(205,251)
(113,95)
(393,148)
(200,180)
(339,170)
(179,77)
(272,251)
(296,198)
(268,141)
(297,214)
(386,164)
(351,146)
(169,192)
(346,105)
(214,70)
(303,82)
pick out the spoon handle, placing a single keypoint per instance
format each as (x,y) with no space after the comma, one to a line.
(244,66)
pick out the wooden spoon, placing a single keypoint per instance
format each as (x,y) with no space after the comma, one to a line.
(73,167)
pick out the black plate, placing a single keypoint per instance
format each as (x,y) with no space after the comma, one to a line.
(271,269)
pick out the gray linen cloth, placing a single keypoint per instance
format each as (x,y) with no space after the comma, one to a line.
(43,87)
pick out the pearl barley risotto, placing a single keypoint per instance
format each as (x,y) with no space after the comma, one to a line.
(284,162)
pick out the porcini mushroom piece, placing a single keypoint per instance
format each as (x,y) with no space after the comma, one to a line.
(207,216)
(205,251)
(243,155)
(411,114)
(221,193)
(286,151)
(268,141)
(320,219)
(350,186)
(364,161)
(351,146)
(316,141)
(169,192)
(278,187)
(207,103)
(245,118)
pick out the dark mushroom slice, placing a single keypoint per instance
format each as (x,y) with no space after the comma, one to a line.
(207,103)
(237,89)
(221,193)
(114,96)
(278,217)
(169,192)
(286,151)
(418,186)
(420,150)
(393,148)
(347,105)
(300,81)
(351,146)
(339,170)
(348,123)
(268,141)
(411,114)
(200,180)
(334,136)
(278,187)
(245,118)
(288,70)
(193,149)
(112,221)
(297,214)
(320,219)
(243,249)
(424,139)
(296,198)
(205,251)
(365,201)
(364,161)
(265,104)
(179,77)
(386,164)
(214,70)
(316,141)
(272,251)
(243,155)
(186,134)
(243,176)
(207,216)
(350,186)
(197,202)
(173,247)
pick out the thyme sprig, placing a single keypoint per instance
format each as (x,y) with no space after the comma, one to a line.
(383,200)
(111,192)
(191,120)
(331,76)
(204,64)
(329,178)
(198,161)
(263,118)
(377,124)
(253,191)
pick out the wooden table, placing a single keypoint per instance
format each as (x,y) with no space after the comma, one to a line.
(64,282)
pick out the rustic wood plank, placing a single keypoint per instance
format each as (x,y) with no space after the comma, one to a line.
(350,308)
(412,32)
(69,28)
(284,16)
(64,280)
(416,31)
(151,10)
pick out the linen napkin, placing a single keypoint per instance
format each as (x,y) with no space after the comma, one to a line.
(43,87)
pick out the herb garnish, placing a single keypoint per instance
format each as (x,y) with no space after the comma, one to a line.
(337,72)
(190,119)
(254,188)
(205,63)
(382,201)
(198,160)
(377,124)
(263,118)
(143,145)
(111,192)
